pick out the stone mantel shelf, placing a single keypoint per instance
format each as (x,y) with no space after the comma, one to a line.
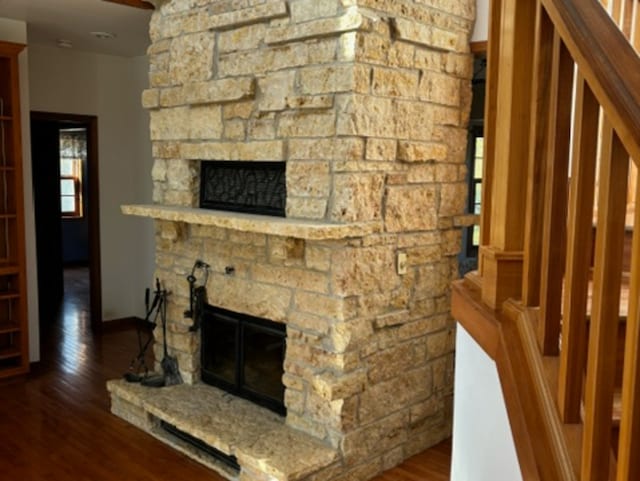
(260,224)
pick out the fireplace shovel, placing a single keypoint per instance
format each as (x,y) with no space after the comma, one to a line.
(169,364)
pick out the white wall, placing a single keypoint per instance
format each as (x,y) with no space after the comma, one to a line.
(483,447)
(481,28)
(68,81)
(16,31)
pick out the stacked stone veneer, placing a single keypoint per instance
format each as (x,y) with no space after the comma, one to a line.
(367,102)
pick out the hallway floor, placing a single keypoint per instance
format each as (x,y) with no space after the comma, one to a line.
(55,423)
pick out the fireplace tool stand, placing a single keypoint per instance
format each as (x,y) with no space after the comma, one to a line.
(138,364)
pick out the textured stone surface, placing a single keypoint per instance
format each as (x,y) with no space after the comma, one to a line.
(366,101)
(257,437)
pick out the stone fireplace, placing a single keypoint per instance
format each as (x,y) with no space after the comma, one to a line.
(365,104)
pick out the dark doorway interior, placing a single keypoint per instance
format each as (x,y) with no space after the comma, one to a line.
(66,206)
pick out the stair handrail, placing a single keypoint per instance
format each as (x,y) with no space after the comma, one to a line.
(608,62)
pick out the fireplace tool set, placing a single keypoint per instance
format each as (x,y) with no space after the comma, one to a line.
(170,372)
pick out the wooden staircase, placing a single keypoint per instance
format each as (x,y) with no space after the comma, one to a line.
(555,300)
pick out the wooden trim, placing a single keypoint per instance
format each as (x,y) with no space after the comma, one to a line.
(578,261)
(555,209)
(614,79)
(509,339)
(605,307)
(122,324)
(93,210)
(479,47)
(629,441)
(536,169)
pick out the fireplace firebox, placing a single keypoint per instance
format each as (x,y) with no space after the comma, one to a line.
(252,187)
(244,355)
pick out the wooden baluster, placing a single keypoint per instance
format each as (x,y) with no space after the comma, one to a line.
(577,272)
(629,442)
(627,13)
(555,209)
(490,105)
(502,257)
(542,60)
(601,358)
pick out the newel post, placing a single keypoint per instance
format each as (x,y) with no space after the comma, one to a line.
(508,118)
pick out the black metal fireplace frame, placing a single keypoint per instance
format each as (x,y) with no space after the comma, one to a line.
(214,314)
(256,187)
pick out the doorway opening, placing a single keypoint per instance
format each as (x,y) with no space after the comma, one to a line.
(65,183)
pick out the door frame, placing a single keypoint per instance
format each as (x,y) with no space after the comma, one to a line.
(93,209)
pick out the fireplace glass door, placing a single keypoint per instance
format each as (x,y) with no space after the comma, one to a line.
(244,355)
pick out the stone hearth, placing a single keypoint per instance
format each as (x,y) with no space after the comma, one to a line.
(366,102)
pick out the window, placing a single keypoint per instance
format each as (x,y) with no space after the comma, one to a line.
(73,152)
(475,154)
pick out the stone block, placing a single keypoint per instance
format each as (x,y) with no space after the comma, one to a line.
(440,88)
(385,365)
(246,16)
(453,198)
(395,82)
(308,178)
(220,91)
(350,20)
(262,127)
(346,336)
(309,102)
(244,38)
(205,122)
(267,301)
(192,58)
(371,48)
(326,149)
(357,197)
(441,343)
(291,277)
(307,124)
(422,151)
(318,258)
(306,207)
(376,438)
(150,98)
(412,208)
(235,129)
(428,35)
(305,10)
(169,123)
(273,90)
(359,271)
(256,150)
(368,116)
(240,109)
(326,79)
(381,149)
(406,388)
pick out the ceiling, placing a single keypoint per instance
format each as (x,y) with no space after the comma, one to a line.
(74,20)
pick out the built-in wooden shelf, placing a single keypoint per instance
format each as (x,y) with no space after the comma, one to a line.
(10,353)
(260,224)
(9,327)
(14,336)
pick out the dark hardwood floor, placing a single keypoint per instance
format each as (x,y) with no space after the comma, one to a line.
(55,423)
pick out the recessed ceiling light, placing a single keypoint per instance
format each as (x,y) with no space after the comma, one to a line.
(103,35)
(64,43)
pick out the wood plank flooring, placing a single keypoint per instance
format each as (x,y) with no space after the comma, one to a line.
(55,423)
